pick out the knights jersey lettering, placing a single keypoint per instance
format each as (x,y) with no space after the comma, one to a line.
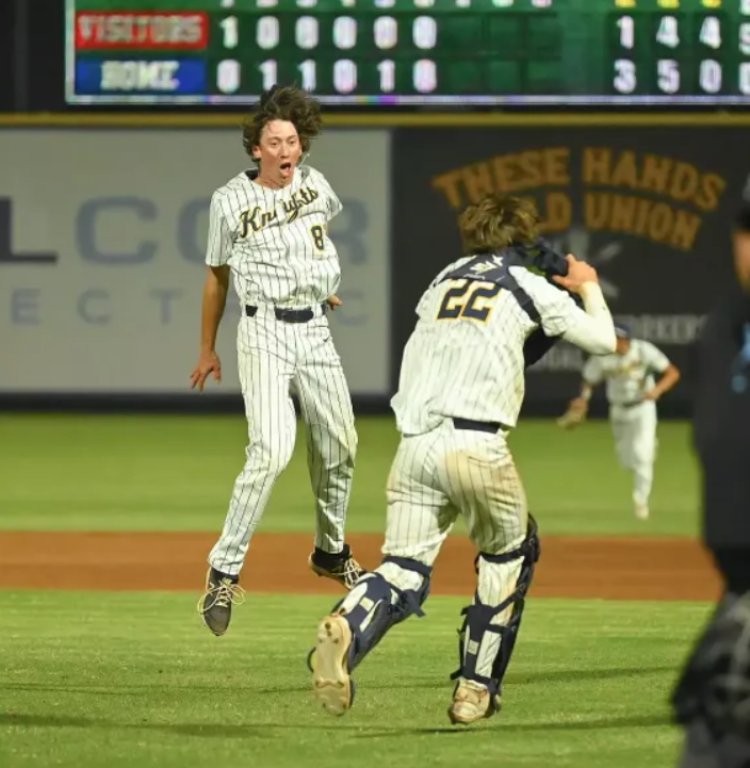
(465,356)
(276,240)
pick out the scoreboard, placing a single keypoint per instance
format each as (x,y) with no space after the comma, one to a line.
(440,53)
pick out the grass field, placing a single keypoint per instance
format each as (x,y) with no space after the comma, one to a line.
(125,680)
(175,473)
(133,679)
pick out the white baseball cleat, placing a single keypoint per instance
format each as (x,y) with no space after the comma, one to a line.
(472,701)
(332,685)
(642,511)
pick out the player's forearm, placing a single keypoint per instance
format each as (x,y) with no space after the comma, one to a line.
(586,390)
(593,329)
(668,380)
(214,301)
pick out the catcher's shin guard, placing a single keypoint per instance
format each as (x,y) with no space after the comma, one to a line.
(478,635)
(374,605)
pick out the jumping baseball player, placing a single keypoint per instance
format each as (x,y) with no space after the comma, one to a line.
(268,228)
(460,391)
(632,393)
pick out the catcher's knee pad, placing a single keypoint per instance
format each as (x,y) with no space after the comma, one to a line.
(375,604)
(410,579)
(485,647)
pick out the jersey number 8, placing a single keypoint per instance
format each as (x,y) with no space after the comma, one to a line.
(474,307)
(318,236)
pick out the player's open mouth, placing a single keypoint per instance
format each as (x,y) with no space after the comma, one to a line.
(286,167)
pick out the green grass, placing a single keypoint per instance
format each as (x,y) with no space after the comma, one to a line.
(128,679)
(70,472)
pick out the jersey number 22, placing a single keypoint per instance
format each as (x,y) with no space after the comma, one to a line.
(476,306)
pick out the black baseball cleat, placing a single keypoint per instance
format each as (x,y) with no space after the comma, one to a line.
(341,566)
(215,606)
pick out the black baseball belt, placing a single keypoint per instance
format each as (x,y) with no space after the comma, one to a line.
(630,403)
(477,426)
(302,315)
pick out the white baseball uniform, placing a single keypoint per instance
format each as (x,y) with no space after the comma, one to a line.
(465,361)
(633,419)
(275,241)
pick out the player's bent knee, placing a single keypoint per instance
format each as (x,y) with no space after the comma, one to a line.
(483,659)
(351,442)
(263,459)
(342,449)
(407,575)
(375,604)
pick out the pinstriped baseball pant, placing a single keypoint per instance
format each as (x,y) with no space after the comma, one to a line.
(276,359)
(446,472)
(634,430)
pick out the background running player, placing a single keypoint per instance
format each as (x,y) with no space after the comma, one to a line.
(632,392)
(460,391)
(268,228)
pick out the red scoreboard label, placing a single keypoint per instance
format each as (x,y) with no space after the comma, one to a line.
(141,29)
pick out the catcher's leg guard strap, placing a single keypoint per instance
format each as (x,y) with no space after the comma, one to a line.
(485,647)
(530,549)
(414,596)
(375,604)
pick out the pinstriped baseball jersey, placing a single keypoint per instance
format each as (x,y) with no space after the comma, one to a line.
(276,244)
(630,375)
(276,240)
(465,356)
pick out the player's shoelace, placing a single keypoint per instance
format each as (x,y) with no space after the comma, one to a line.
(351,570)
(224,594)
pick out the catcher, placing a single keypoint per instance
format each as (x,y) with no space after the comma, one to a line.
(460,391)
(632,393)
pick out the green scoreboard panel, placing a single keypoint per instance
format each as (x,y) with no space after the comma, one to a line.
(421,52)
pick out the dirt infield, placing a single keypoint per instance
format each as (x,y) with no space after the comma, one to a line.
(611,568)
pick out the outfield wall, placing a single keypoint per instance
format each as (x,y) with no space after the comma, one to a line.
(103,222)
(650,206)
(102,240)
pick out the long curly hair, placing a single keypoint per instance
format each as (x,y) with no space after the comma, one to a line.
(498,221)
(283,102)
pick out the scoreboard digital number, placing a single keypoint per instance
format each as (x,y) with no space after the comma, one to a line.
(410,52)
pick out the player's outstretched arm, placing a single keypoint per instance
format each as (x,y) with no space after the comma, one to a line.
(215,289)
(592,328)
(578,407)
